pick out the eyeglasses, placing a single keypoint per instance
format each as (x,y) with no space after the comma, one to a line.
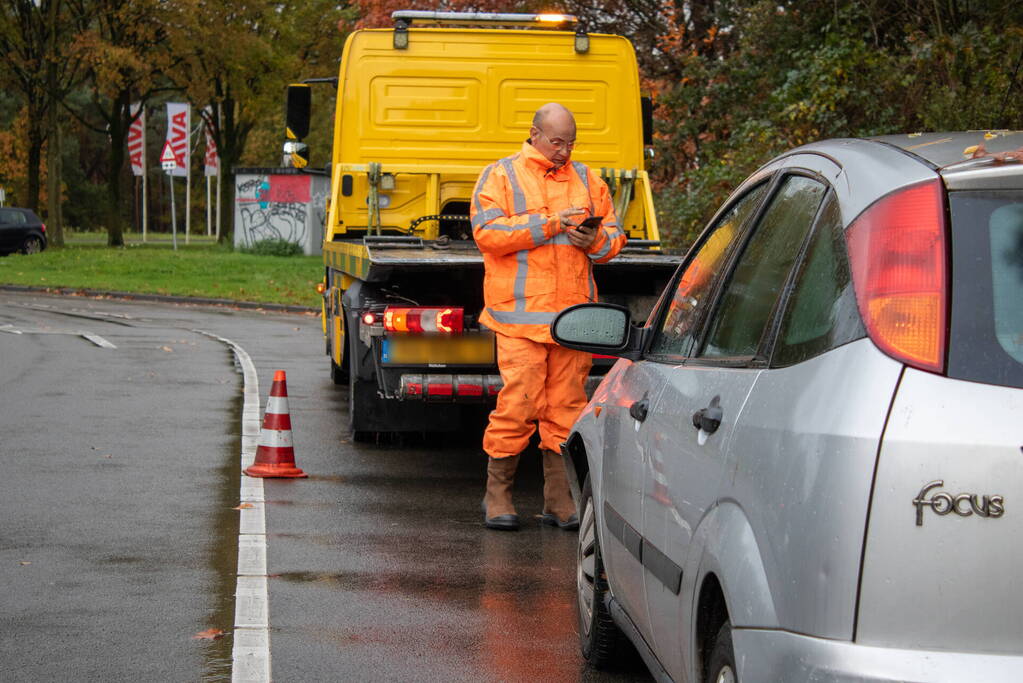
(558,143)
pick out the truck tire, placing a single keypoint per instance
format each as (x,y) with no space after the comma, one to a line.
(362,391)
(599,636)
(338,373)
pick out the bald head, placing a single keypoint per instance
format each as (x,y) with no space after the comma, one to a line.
(556,114)
(553,133)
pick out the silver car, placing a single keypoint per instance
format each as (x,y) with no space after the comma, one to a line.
(806,465)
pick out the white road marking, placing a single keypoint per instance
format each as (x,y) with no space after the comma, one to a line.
(251,652)
(97,340)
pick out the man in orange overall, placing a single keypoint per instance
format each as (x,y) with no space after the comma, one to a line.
(526,214)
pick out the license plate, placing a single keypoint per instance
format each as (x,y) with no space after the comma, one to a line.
(456,349)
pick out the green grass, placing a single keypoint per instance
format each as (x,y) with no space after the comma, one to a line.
(202,269)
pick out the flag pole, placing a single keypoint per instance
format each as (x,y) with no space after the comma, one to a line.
(145,180)
(188,173)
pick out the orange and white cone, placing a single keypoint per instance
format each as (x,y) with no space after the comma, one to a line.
(275,455)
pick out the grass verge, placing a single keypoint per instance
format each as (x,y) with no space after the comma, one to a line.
(198,270)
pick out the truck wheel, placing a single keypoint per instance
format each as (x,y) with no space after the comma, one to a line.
(361,392)
(721,666)
(599,636)
(338,373)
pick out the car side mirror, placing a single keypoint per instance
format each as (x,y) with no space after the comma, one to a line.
(598,328)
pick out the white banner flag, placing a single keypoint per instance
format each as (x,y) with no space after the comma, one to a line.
(137,141)
(212,158)
(179,124)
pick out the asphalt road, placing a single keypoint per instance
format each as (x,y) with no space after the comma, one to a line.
(118,537)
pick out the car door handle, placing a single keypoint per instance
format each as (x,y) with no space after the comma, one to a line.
(639,409)
(709,419)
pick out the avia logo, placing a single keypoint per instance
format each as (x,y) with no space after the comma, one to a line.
(964,504)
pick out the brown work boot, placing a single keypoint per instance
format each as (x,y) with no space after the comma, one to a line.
(498,511)
(558,506)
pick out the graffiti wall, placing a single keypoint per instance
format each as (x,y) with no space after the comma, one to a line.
(280,203)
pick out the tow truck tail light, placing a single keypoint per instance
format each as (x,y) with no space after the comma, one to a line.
(369,318)
(424,320)
(897,254)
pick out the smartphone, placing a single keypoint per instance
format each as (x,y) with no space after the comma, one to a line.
(592,222)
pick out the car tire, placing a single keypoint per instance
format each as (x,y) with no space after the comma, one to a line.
(31,245)
(721,665)
(599,636)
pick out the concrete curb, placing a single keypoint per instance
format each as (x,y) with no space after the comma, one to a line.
(130,296)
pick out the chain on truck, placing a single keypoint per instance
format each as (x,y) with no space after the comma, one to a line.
(421,109)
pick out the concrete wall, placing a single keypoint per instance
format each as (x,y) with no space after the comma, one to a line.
(280,203)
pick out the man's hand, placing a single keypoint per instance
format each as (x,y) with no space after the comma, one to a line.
(565,214)
(582,236)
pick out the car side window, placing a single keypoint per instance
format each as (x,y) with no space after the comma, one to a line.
(7,216)
(750,296)
(677,332)
(821,313)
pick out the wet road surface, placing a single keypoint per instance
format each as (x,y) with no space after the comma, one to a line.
(379,568)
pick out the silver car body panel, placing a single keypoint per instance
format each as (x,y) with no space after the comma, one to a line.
(801,473)
(621,481)
(684,469)
(951,582)
(773,656)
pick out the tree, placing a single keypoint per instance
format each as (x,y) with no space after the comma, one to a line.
(31,37)
(123,46)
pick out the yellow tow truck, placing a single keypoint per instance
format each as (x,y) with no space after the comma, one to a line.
(422,108)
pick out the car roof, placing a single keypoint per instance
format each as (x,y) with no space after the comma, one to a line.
(945,149)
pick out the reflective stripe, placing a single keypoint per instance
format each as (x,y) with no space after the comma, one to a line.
(480,185)
(277,404)
(580,168)
(482,217)
(519,292)
(602,252)
(593,285)
(521,317)
(560,238)
(535,224)
(274,438)
(519,197)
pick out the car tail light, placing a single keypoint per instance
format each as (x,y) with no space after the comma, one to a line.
(897,255)
(43,226)
(420,320)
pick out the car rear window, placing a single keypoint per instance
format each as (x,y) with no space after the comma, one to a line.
(986,332)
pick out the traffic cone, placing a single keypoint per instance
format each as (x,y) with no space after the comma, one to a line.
(275,456)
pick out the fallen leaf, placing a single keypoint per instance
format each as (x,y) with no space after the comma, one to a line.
(167,349)
(107,455)
(209,634)
(972,150)
(24,563)
(244,506)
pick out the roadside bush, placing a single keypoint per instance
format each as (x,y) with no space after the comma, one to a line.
(274,247)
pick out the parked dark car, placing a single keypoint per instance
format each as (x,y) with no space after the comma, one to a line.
(21,230)
(805,465)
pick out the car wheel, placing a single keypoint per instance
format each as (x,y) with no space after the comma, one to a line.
(31,245)
(721,666)
(599,636)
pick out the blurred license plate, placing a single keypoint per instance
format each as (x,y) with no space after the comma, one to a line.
(458,349)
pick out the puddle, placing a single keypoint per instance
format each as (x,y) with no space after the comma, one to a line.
(223,553)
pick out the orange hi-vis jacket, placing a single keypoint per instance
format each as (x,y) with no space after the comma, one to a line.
(532,270)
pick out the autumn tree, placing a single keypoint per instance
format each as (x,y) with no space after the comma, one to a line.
(123,47)
(32,38)
(237,59)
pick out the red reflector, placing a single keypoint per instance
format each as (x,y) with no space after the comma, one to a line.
(897,256)
(438,389)
(414,389)
(470,389)
(601,355)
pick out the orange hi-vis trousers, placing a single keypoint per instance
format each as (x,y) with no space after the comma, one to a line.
(544,387)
